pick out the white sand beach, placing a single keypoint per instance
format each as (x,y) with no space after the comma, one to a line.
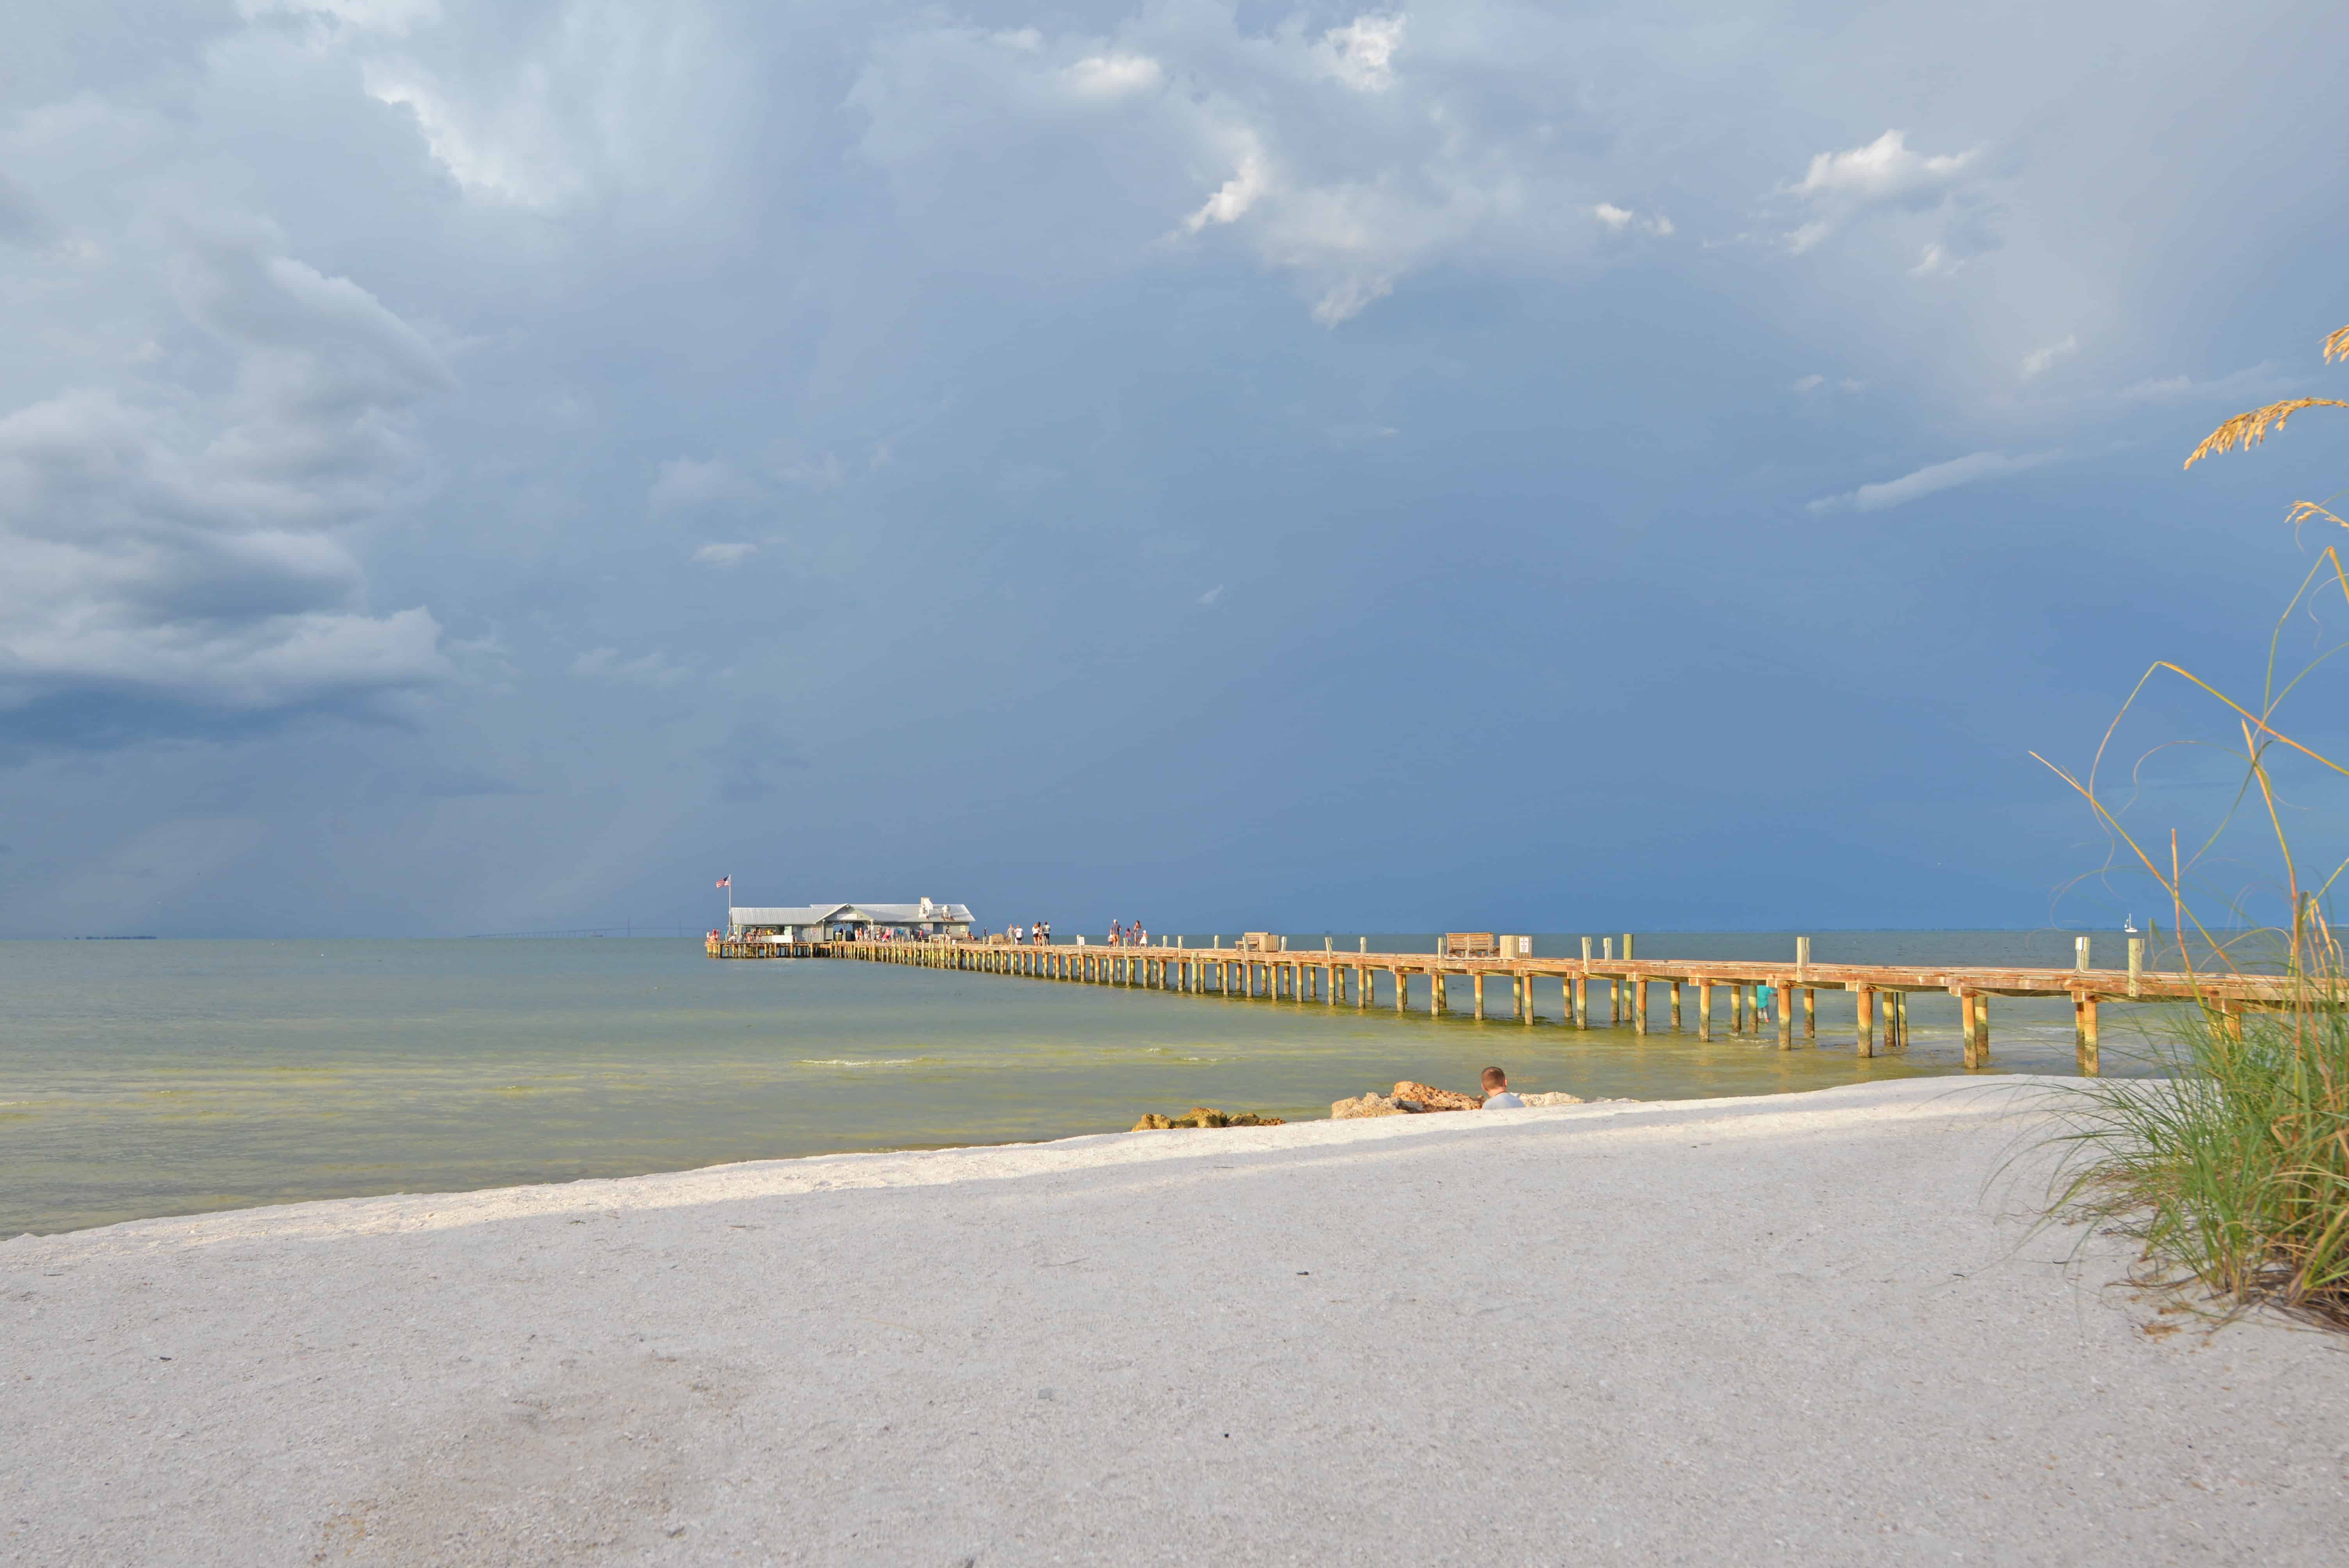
(1805,1328)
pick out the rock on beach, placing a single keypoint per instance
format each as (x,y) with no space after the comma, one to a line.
(1411,1098)
(1204,1116)
(1419,1097)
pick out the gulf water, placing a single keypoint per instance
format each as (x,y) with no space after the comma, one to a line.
(141,1079)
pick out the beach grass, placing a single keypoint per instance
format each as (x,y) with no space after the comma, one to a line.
(2233,1166)
(2232,1163)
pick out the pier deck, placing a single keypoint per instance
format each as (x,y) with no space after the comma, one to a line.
(1626,985)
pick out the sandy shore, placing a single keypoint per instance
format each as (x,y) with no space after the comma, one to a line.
(1801,1329)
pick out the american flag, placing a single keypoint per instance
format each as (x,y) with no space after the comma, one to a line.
(725,882)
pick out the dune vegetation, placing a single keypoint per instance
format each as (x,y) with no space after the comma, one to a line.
(2233,1164)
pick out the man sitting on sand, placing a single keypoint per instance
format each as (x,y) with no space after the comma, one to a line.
(1497,1091)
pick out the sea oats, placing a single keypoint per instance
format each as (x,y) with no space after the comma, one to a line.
(2248,431)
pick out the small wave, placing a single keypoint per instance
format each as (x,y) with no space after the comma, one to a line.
(851,1062)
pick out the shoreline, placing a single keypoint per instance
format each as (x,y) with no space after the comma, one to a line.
(1813,1326)
(854,1170)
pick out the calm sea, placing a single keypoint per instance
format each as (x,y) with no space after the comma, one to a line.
(161,1077)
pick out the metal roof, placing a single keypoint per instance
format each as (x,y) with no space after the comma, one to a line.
(826,914)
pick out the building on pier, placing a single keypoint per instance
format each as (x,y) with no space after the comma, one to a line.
(926,919)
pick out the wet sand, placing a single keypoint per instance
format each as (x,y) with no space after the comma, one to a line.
(1810,1327)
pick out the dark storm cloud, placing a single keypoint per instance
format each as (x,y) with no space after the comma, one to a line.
(1139,417)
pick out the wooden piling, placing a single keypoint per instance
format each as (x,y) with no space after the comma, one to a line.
(1882,992)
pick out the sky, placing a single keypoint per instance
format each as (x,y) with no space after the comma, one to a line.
(501,467)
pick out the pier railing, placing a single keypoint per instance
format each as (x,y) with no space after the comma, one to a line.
(1625,988)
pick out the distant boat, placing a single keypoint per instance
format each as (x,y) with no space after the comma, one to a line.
(2128,926)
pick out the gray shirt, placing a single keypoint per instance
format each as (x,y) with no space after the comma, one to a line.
(1504,1101)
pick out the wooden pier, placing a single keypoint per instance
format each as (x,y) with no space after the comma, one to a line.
(1623,987)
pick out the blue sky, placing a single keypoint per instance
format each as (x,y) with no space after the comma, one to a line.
(1544,467)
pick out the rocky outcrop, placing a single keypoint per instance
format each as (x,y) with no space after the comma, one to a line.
(1411,1098)
(1419,1097)
(1205,1116)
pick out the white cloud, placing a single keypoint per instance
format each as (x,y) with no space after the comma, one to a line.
(1807,384)
(2259,381)
(1884,171)
(1212,594)
(724,555)
(1347,299)
(826,472)
(686,483)
(546,108)
(1888,177)
(1361,53)
(1931,479)
(1110,77)
(513,151)
(1623,219)
(652,669)
(1232,198)
(393,17)
(2040,360)
(1347,192)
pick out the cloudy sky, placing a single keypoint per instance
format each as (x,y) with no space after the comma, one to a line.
(492,466)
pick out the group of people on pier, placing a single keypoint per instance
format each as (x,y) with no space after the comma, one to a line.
(1121,934)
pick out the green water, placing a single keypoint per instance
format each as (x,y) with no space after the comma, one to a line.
(163,1078)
